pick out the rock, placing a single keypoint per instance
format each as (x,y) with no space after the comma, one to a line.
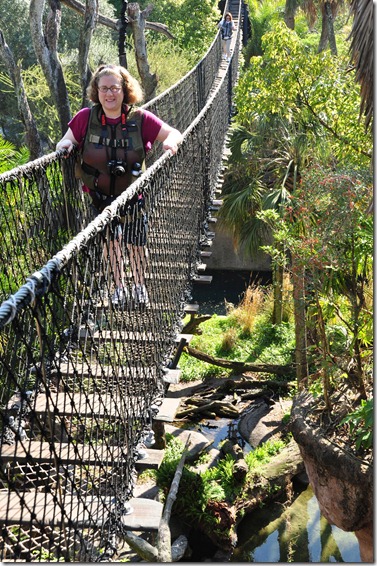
(342,483)
(198,442)
(262,421)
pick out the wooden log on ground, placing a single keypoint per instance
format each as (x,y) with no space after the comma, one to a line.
(240,467)
(164,536)
(193,323)
(219,408)
(142,547)
(237,366)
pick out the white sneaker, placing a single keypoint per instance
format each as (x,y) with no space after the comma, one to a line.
(140,295)
(119,297)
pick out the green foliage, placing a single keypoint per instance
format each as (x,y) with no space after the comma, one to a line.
(192,22)
(263,453)
(268,343)
(222,475)
(310,89)
(216,484)
(262,15)
(168,61)
(360,424)
(10,156)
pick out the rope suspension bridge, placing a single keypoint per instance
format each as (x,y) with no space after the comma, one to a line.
(84,383)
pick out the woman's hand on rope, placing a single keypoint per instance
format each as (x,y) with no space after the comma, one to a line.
(170,138)
(67,142)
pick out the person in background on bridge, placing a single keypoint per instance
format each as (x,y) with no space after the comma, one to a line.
(227,27)
(113,139)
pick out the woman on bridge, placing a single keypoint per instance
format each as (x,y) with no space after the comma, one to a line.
(113,139)
(227,27)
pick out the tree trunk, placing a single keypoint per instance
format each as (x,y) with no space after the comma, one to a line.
(289,13)
(324,32)
(278,273)
(45,44)
(298,280)
(91,13)
(330,27)
(137,22)
(33,141)
(327,30)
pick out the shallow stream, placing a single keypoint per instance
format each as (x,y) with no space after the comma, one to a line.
(293,531)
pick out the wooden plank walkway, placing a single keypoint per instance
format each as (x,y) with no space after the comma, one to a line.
(36,507)
(43,452)
(168,409)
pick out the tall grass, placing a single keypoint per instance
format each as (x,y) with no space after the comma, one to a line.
(252,304)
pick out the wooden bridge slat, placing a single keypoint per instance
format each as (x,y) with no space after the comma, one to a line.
(84,404)
(152,461)
(207,279)
(40,452)
(146,515)
(172,376)
(168,409)
(66,453)
(16,509)
(191,309)
(118,335)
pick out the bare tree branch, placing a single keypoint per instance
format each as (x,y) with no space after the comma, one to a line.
(33,141)
(238,366)
(137,21)
(115,24)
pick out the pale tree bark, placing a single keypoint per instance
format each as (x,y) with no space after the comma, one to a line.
(137,21)
(164,536)
(45,46)
(164,551)
(33,141)
(90,20)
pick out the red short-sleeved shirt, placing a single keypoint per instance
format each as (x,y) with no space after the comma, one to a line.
(151,125)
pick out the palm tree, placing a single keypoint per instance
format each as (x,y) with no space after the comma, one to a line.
(361,50)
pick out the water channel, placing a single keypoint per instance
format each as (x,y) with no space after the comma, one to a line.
(293,531)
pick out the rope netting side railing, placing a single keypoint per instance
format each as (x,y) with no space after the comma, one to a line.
(42,205)
(82,376)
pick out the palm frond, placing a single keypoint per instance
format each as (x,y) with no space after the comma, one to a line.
(361,50)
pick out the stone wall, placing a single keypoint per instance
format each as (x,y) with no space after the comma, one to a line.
(225,257)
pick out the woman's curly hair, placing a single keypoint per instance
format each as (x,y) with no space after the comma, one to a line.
(133,93)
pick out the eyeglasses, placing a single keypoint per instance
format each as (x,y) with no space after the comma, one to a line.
(114,89)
